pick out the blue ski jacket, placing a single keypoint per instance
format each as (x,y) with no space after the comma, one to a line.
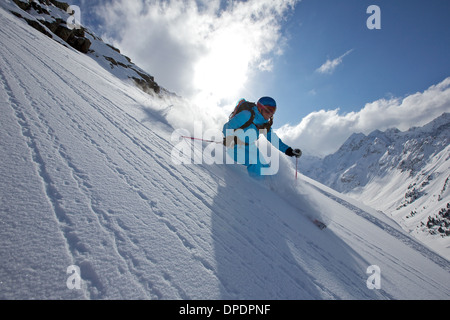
(245,151)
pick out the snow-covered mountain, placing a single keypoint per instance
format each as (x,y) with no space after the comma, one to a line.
(92,205)
(57,20)
(404,174)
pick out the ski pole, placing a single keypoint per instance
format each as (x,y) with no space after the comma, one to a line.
(192,138)
(296,167)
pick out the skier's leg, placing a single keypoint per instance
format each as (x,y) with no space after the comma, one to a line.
(256,163)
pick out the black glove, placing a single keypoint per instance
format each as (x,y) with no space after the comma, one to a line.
(293,152)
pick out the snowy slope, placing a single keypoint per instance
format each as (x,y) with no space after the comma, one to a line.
(404,174)
(87,179)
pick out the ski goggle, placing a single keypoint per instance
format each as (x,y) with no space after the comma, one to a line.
(269,110)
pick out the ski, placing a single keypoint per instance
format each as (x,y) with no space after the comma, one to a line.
(319,223)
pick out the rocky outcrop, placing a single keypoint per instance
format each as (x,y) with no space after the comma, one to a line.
(74,37)
(51,18)
(146,83)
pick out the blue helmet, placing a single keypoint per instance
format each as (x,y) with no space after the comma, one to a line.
(267,102)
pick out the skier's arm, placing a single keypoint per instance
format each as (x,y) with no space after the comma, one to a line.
(272,137)
(236,122)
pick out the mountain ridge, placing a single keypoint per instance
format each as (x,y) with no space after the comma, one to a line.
(51,18)
(404,174)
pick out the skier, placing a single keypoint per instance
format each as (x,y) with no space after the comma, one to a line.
(246,123)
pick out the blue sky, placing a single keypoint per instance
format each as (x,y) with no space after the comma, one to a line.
(214,52)
(409,53)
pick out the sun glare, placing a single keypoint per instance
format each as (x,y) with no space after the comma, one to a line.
(222,73)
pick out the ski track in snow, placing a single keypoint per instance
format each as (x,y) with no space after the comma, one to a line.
(139,226)
(84,186)
(53,195)
(400,235)
(26,127)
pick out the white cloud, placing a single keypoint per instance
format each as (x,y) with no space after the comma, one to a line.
(323,132)
(206,52)
(312,92)
(198,49)
(330,65)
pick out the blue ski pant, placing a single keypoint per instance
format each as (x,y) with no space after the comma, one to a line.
(249,156)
